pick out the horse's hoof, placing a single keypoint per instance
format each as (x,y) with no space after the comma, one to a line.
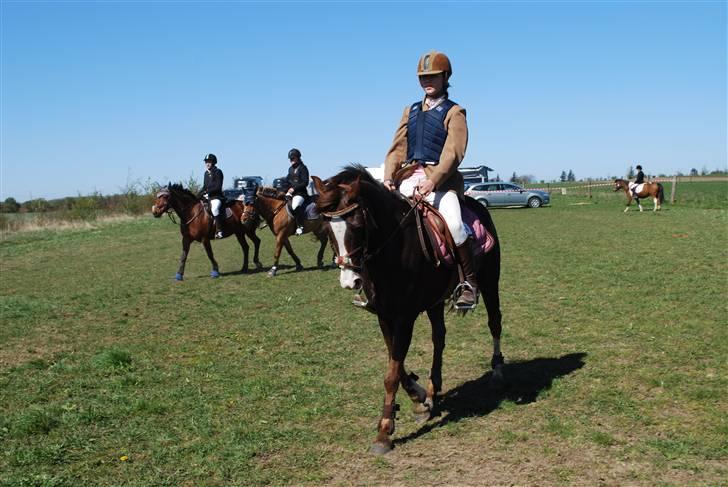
(272,272)
(299,267)
(378,448)
(214,274)
(258,265)
(179,277)
(422,417)
(244,270)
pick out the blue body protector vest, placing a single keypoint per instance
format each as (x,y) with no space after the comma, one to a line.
(426,132)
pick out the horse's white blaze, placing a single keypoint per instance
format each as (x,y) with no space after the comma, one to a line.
(347,277)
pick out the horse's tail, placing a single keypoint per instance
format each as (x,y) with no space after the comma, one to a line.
(661,192)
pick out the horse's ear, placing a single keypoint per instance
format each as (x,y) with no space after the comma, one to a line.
(318,184)
(352,190)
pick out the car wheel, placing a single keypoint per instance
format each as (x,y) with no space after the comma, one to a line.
(534,202)
(483,202)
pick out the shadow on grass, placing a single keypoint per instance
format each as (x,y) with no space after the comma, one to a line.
(524,381)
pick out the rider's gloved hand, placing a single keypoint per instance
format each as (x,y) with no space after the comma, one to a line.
(389,184)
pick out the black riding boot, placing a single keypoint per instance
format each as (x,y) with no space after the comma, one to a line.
(299,216)
(219,222)
(469,288)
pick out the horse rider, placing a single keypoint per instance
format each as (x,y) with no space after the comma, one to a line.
(639,179)
(212,188)
(298,192)
(431,138)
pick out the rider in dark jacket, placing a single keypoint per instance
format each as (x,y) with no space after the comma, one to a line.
(639,179)
(212,187)
(298,192)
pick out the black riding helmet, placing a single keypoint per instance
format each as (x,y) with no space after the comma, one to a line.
(211,158)
(293,154)
(639,167)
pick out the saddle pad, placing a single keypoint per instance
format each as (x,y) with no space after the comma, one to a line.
(311,213)
(637,188)
(483,240)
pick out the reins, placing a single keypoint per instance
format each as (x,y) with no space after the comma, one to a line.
(345,260)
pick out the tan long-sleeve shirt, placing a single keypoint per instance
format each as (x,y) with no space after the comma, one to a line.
(444,174)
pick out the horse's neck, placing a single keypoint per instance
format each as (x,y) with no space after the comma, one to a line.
(267,207)
(184,209)
(388,220)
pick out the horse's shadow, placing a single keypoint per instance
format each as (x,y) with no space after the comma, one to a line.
(524,381)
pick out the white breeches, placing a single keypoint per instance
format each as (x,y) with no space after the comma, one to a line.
(215,206)
(446,202)
(296,201)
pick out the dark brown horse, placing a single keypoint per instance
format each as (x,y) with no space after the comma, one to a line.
(378,249)
(270,204)
(196,225)
(655,190)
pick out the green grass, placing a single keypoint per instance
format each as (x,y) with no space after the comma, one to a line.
(614,336)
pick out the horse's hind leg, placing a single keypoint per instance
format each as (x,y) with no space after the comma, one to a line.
(208,249)
(246,248)
(320,256)
(657,206)
(639,204)
(183,258)
(437,320)
(256,245)
(492,305)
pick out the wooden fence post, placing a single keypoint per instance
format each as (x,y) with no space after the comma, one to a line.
(672,191)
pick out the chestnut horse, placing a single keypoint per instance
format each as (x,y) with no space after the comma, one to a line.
(197,225)
(646,189)
(374,232)
(270,204)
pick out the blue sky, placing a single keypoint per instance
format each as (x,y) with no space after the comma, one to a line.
(99,94)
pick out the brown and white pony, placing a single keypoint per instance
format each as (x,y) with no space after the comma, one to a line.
(374,232)
(270,204)
(655,190)
(196,225)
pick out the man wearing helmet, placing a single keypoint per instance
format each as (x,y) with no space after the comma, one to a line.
(212,187)
(428,146)
(298,192)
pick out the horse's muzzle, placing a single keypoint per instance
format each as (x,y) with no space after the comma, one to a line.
(156,211)
(349,279)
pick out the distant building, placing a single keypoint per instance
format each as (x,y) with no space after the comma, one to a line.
(377,172)
(477,174)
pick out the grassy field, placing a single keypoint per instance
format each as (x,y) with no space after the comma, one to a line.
(615,338)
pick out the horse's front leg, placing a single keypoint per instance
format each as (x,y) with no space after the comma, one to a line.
(276,255)
(398,337)
(629,202)
(215,273)
(246,248)
(293,255)
(186,241)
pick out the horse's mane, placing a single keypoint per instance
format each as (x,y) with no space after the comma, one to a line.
(270,192)
(182,192)
(374,190)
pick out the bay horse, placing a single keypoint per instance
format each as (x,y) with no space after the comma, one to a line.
(197,225)
(655,190)
(375,235)
(270,204)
